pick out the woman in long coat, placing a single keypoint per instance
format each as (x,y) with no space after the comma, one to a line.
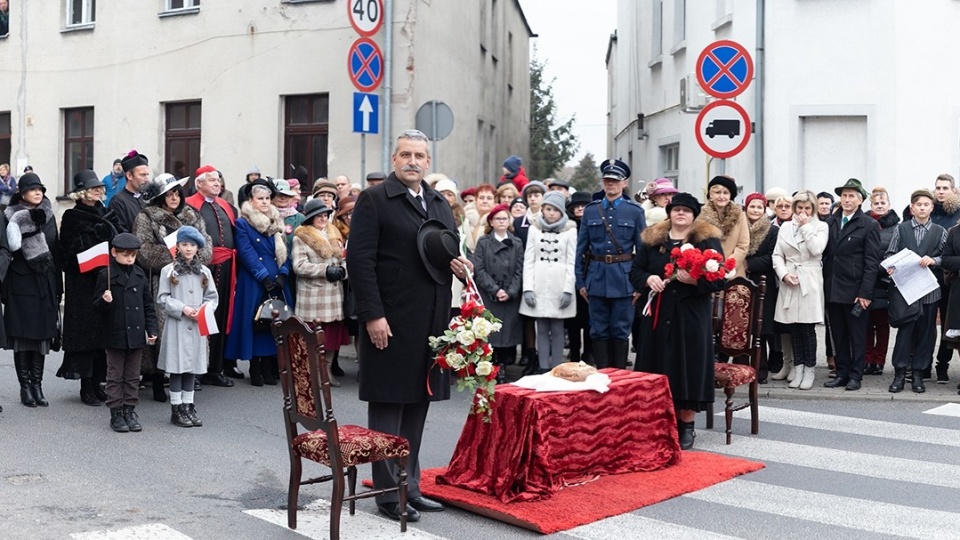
(797,260)
(498,272)
(759,263)
(878,321)
(318,264)
(722,212)
(264,267)
(85,225)
(163,215)
(34,285)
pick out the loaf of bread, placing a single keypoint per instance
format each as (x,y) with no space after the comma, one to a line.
(573,371)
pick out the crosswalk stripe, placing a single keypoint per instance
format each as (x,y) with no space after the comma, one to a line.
(153,531)
(829,459)
(870,516)
(634,526)
(857,426)
(947,409)
(313,521)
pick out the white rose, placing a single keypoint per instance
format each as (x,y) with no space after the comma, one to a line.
(686,247)
(484,368)
(711,265)
(466,337)
(496,327)
(482,327)
(456,360)
(731,274)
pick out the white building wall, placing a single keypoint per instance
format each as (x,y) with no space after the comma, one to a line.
(861,88)
(241,58)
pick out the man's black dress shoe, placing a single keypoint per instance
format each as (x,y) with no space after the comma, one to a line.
(853,384)
(392,511)
(233,372)
(216,379)
(424,504)
(833,383)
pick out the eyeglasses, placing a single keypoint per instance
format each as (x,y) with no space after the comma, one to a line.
(783,206)
(500,219)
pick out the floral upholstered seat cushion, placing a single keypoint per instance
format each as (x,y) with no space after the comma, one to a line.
(358,445)
(732,375)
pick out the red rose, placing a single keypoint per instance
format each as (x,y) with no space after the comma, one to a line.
(493,373)
(668,270)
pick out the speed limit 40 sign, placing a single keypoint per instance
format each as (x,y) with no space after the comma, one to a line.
(366,16)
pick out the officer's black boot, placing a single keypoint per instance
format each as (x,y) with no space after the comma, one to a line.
(601,353)
(618,353)
(21,362)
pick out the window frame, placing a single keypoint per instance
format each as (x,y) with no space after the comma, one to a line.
(88,14)
(670,161)
(312,128)
(189,7)
(171,135)
(85,139)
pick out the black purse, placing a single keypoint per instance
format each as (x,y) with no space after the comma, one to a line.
(899,311)
(263,317)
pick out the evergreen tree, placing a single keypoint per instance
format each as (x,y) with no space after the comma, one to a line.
(587,174)
(552,143)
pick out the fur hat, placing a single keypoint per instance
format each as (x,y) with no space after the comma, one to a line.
(188,233)
(726,182)
(687,201)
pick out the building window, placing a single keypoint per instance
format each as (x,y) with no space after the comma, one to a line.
(679,22)
(305,134)
(656,47)
(5,146)
(181,150)
(671,161)
(81,12)
(77,143)
(5,18)
(182,4)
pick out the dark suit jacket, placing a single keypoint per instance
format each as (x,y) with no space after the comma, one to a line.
(389,280)
(852,260)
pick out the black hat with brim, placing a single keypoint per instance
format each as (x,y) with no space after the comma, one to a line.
(438,246)
(685,200)
(26,183)
(86,179)
(247,189)
(579,197)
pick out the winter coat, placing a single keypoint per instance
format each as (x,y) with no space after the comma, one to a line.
(801,255)
(851,261)
(519,180)
(950,262)
(81,228)
(681,345)
(5,259)
(654,213)
(881,290)
(290,225)
(261,254)
(521,225)
(183,349)
(759,262)
(317,298)
(499,265)
(34,283)
(130,317)
(390,280)
(548,266)
(734,231)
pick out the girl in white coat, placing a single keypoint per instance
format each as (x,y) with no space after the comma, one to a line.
(185,285)
(797,262)
(548,277)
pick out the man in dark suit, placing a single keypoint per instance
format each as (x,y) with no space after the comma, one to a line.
(400,304)
(850,266)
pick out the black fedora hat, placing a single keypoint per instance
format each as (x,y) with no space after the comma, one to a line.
(246,189)
(438,246)
(86,179)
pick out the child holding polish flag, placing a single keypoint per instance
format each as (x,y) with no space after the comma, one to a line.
(185,295)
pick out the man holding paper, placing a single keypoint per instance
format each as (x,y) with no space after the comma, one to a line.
(914,347)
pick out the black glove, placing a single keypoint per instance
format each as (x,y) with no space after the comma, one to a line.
(103,231)
(269,284)
(335,273)
(38,216)
(281,281)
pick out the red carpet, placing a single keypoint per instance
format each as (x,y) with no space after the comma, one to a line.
(620,493)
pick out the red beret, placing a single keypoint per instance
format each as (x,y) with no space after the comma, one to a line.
(496,210)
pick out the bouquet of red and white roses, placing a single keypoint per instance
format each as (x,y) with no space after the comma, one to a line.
(464,348)
(708,264)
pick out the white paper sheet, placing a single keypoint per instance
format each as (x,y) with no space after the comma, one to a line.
(913,280)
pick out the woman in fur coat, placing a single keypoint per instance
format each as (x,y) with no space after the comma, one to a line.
(33,286)
(163,215)
(759,263)
(677,340)
(723,213)
(85,225)
(318,264)
(264,268)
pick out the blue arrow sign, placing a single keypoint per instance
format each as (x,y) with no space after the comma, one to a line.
(366,113)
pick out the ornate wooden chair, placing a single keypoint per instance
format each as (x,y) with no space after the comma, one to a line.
(306,396)
(738,319)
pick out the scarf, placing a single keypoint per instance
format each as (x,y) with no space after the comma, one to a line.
(555,227)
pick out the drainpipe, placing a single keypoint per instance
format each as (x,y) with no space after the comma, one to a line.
(758,113)
(386,137)
(22,95)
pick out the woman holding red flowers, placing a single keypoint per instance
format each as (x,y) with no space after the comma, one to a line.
(677,335)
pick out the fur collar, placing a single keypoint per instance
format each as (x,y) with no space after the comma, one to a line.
(163,218)
(659,234)
(950,205)
(327,247)
(28,237)
(729,221)
(758,232)
(890,219)
(269,224)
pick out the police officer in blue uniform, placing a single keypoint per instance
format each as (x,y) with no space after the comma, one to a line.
(609,232)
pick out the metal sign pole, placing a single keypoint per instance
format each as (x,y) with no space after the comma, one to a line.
(363,158)
(433,106)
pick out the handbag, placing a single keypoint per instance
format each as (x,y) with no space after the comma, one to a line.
(349,301)
(900,312)
(57,342)
(263,317)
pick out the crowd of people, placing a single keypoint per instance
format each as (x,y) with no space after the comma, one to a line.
(560,269)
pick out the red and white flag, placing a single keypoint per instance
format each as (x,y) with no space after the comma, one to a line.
(206,321)
(171,242)
(95,257)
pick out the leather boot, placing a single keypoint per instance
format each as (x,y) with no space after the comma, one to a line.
(917,384)
(899,380)
(333,380)
(782,374)
(117,422)
(335,368)
(256,371)
(86,392)
(21,363)
(806,382)
(159,394)
(98,391)
(130,417)
(798,376)
(178,416)
(191,411)
(268,368)
(618,353)
(686,434)
(36,379)
(601,353)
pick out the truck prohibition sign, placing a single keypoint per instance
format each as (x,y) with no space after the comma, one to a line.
(730,128)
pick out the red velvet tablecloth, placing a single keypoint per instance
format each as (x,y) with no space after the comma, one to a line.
(537,442)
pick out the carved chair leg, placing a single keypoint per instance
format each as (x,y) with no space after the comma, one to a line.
(754,408)
(293,491)
(352,486)
(402,489)
(728,411)
(710,416)
(336,504)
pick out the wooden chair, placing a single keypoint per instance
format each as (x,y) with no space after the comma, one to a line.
(738,319)
(304,378)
